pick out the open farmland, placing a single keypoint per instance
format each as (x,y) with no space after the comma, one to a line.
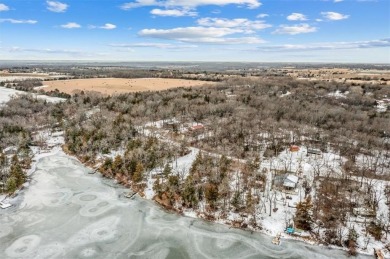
(117,85)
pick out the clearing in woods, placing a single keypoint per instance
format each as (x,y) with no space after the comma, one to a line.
(119,85)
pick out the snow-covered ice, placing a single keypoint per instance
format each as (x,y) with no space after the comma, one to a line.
(67,213)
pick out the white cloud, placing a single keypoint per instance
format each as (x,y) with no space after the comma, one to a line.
(189,32)
(329,46)
(140,3)
(296,17)
(108,26)
(71,25)
(153,45)
(56,7)
(52,51)
(338,1)
(62,52)
(262,15)
(173,12)
(237,40)
(243,24)
(189,3)
(295,29)
(333,16)
(211,35)
(3,8)
(19,21)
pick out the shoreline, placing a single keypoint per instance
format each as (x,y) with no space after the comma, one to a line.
(59,149)
(172,210)
(139,221)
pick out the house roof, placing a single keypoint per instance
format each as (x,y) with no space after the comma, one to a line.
(289,184)
(292,178)
(196,127)
(10,149)
(313,151)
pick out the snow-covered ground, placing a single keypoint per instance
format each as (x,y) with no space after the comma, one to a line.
(383,105)
(37,76)
(54,141)
(286,94)
(272,225)
(6,94)
(298,163)
(21,78)
(338,94)
(67,213)
(180,166)
(41,87)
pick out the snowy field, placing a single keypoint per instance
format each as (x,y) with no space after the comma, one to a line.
(6,94)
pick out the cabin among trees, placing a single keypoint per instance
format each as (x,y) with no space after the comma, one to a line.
(286,182)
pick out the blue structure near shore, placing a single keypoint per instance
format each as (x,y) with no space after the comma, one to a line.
(290,231)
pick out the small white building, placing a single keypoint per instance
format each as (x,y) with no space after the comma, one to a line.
(364,212)
(10,150)
(290,182)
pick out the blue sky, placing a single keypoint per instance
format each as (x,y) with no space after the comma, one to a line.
(196,30)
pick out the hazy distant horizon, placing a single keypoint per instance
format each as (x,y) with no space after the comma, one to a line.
(188,62)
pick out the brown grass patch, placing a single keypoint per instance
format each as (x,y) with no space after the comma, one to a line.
(111,86)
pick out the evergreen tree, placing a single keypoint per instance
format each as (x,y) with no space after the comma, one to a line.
(224,164)
(351,242)
(236,201)
(224,190)
(250,204)
(3,160)
(139,173)
(303,218)
(131,166)
(16,171)
(167,170)
(11,184)
(117,164)
(211,194)
(173,183)
(157,187)
(189,193)
(197,162)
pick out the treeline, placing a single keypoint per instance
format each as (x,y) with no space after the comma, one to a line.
(26,85)
(19,118)
(29,85)
(207,187)
(12,175)
(242,116)
(141,156)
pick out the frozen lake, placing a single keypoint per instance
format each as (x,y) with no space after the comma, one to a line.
(68,213)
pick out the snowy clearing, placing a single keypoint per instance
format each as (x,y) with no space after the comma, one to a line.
(6,94)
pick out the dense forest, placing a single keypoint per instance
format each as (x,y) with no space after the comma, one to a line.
(245,122)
